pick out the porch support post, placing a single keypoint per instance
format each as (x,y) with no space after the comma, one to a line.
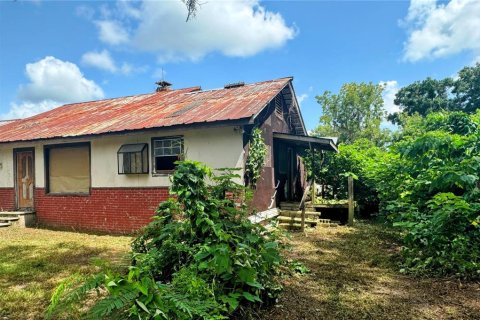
(350,201)
(312,150)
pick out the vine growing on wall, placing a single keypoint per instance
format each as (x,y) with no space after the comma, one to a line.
(256,158)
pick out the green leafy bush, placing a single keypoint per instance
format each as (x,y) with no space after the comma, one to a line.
(356,159)
(199,259)
(426,182)
(444,239)
(430,187)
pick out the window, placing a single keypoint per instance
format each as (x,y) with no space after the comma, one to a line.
(133,158)
(165,152)
(68,168)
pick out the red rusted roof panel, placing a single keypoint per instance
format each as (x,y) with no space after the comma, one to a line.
(155,110)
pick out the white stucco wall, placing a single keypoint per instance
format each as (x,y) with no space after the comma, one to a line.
(6,167)
(217,147)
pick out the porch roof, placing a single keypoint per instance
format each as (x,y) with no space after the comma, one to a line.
(306,141)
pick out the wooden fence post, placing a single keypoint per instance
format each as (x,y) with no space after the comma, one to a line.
(350,201)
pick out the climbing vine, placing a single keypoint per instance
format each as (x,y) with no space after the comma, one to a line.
(256,158)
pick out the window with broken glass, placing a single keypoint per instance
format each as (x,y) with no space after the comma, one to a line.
(133,158)
(166,151)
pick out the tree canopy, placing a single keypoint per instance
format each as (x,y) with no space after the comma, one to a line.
(355,112)
(431,95)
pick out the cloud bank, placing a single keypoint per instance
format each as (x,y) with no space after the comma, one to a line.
(52,82)
(441,29)
(235,28)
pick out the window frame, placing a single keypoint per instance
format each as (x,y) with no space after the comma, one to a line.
(145,148)
(46,164)
(153,156)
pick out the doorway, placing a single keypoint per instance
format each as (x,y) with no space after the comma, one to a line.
(24,177)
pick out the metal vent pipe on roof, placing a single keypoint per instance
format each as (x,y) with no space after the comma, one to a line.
(163,85)
(234,85)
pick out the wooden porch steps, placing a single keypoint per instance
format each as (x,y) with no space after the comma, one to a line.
(290,217)
(21,218)
(9,219)
(298,214)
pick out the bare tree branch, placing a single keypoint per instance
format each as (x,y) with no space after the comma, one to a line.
(192,7)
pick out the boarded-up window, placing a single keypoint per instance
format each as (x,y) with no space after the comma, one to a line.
(68,169)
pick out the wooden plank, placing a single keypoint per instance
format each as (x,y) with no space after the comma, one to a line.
(303,219)
(330,205)
(350,201)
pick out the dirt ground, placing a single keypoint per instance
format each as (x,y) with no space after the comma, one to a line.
(354,275)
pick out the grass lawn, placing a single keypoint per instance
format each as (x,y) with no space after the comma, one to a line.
(34,261)
(353,275)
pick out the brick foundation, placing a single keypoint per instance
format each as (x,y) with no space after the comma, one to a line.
(112,210)
(7,199)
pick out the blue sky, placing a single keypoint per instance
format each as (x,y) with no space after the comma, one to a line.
(53,53)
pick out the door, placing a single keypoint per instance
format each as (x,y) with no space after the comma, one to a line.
(24,181)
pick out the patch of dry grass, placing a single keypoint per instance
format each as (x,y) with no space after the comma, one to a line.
(354,275)
(34,261)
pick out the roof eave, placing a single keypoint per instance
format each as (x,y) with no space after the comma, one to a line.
(197,125)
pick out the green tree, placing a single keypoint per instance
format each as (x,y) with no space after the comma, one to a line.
(431,95)
(424,96)
(467,89)
(355,112)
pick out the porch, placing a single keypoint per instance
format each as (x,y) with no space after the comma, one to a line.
(293,189)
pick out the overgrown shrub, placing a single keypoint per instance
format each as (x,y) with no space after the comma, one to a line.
(431,189)
(199,259)
(357,160)
(443,239)
(428,183)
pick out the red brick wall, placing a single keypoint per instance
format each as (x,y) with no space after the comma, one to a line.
(113,210)
(7,199)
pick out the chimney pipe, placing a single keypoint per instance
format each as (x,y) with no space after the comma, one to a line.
(163,86)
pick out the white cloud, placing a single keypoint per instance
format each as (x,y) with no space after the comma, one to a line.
(57,80)
(112,32)
(52,82)
(28,109)
(302,97)
(236,28)
(101,60)
(104,61)
(391,88)
(438,30)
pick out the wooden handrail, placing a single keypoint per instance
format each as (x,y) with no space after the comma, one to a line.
(305,193)
(273,198)
(302,202)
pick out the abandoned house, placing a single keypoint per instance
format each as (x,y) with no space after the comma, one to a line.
(104,165)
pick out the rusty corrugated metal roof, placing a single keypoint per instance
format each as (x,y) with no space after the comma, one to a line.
(4,122)
(155,110)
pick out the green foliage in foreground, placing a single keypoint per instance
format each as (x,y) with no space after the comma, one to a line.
(432,190)
(428,183)
(199,259)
